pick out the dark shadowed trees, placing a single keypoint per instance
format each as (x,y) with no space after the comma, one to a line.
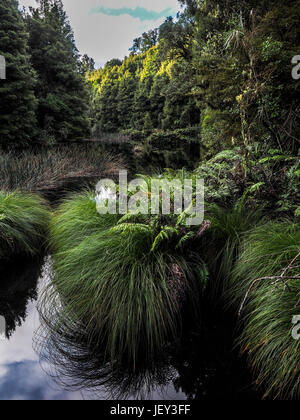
(61,90)
(17,100)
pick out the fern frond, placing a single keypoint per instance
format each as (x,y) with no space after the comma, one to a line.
(132,218)
(190,235)
(126,228)
(167,233)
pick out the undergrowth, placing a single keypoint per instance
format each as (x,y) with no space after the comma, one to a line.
(126,277)
(24,222)
(266,290)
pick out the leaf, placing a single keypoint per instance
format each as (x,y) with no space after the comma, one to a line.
(126,228)
(256,187)
(165,234)
(186,238)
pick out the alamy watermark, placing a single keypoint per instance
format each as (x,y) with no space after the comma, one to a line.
(296,69)
(296,329)
(2,328)
(157,196)
(2,67)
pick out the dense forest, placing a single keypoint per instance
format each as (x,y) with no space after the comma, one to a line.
(44,97)
(220,76)
(221,68)
(212,93)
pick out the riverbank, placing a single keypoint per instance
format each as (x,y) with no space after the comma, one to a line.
(242,202)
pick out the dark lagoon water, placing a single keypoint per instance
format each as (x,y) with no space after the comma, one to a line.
(202,366)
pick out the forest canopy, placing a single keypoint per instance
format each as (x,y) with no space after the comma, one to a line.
(221,68)
(224,67)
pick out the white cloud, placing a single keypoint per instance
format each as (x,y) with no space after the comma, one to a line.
(105,37)
(19,347)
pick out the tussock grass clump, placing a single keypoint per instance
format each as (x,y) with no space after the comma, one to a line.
(228,226)
(76,363)
(24,222)
(267,283)
(77,219)
(109,274)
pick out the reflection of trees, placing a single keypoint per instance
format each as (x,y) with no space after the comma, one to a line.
(203,365)
(76,361)
(18,285)
(209,365)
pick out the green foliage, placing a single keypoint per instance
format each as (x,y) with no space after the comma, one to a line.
(76,219)
(24,221)
(216,129)
(277,180)
(61,92)
(224,67)
(17,100)
(148,122)
(228,227)
(166,234)
(271,49)
(126,280)
(266,279)
(224,177)
(145,42)
(230,223)
(149,88)
(269,178)
(43,168)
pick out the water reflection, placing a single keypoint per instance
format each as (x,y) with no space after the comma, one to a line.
(201,365)
(76,361)
(18,286)
(21,375)
(69,365)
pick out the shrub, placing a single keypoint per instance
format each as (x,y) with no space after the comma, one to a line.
(126,279)
(224,177)
(266,280)
(228,226)
(270,179)
(75,220)
(24,220)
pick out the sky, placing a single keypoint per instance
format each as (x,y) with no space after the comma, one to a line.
(23,376)
(105,29)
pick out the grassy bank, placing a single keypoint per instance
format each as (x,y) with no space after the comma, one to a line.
(48,168)
(24,222)
(266,289)
(127,278)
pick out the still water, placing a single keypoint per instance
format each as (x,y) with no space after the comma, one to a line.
(202,366)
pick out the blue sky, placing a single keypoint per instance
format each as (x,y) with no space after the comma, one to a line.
(105,29)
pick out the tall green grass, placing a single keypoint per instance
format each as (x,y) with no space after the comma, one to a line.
(228,226)
(24,222)
(266,288)
(76,219)
(111,277)
(48,168)
(75,362)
